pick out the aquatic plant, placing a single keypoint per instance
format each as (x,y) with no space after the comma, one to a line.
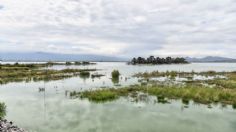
(2,110)
(97,75)
(84,75)
(185,101)
(234,106)
(10,73)
(161,99)
(100,95)
(115,74)
(196,93)
(224,83)
(173,74)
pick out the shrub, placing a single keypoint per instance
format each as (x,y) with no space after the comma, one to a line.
(115,74)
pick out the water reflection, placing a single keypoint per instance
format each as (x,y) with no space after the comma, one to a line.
(115,81)
(56,112)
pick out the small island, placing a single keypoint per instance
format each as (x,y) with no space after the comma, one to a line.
(158,60)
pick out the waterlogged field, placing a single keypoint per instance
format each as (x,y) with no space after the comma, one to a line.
(191,99)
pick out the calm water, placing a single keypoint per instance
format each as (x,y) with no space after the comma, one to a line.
(53,111)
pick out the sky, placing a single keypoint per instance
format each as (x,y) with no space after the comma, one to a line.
(123,28)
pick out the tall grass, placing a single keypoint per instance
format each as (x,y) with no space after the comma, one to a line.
(196,93)
(11,73)
(2,110)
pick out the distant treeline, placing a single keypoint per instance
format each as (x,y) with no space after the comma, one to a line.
(158,60)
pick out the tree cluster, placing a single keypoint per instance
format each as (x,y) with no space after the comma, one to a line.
(158,60)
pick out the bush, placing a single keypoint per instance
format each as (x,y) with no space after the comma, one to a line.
(115,74)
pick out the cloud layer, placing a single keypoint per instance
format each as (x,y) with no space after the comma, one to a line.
(120,27)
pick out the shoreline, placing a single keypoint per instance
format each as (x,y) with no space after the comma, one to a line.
(6,126)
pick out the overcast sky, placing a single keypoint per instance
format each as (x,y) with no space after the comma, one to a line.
(120,27)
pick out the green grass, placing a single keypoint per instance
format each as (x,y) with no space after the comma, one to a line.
(100,95)
(203,95)
(2,110)
(223,83)
(196,93)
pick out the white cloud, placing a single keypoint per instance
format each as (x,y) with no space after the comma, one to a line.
(119,27)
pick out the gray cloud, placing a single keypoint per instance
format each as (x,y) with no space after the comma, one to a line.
(120,27)
(1,7)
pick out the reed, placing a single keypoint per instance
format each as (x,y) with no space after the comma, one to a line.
(199,94)
(2,110)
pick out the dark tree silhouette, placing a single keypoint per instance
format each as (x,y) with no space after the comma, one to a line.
(158,60)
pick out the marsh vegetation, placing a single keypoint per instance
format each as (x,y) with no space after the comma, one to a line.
(115,74)
(199,94)
(2,110)
(221,88)
(80,63)
(36,72)
(141,94)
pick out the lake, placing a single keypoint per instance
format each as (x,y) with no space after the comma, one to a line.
(54,111)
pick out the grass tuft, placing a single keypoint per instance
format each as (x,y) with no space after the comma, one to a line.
(2,110)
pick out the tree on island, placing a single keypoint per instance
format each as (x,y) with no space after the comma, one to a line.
(158,60)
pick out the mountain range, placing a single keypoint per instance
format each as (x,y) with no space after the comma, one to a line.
(43,56)
(210,59)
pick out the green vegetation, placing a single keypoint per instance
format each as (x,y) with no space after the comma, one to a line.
(100,96)
(84,63)
(68,63)
(199,94)
(35,72)
(2,110)
(77,63)
(223,83)
(181,74)
(216,90)
(22,66)
(97,75)
(158,60)
(84,74)
(115,74)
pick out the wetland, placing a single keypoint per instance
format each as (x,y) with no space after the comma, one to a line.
(114,96)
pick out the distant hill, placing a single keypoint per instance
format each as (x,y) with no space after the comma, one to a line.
(43,56)
(210,59)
